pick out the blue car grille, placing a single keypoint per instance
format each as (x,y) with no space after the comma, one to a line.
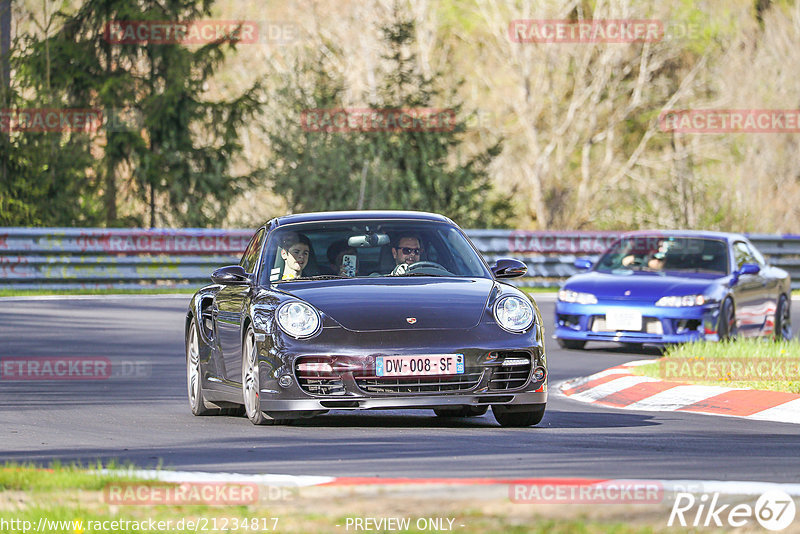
(650,325)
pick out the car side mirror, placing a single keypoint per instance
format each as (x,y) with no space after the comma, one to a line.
(508,268)
(749,268)
(583,264)
(231,275)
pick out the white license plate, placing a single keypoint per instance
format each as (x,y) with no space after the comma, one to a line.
(624,320)
(434,364)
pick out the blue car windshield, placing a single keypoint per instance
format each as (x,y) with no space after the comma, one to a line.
(662,253)
(368,248)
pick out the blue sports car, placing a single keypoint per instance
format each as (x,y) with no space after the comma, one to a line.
(674,287)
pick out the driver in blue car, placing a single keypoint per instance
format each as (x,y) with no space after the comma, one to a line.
(653,260)
(406,251)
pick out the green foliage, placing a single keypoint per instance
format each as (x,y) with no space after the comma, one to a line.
(177,154)
(410,170)
(190,168)
(314,171)
(43,175)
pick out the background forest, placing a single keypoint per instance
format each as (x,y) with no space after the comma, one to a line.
(548,135)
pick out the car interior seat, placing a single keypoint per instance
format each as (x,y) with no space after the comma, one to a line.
(386,261)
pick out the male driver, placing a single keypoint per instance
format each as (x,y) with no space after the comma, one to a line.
(406,250)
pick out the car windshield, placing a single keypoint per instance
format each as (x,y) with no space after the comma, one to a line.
(374,248)
(661,253)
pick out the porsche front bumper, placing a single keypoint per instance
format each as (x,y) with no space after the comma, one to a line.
(499,368)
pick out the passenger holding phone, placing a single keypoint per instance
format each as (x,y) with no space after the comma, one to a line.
(342,258)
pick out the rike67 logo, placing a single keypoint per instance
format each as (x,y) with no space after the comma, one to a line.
(774,510)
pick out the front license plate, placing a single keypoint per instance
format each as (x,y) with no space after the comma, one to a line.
(435,364)
(624,320)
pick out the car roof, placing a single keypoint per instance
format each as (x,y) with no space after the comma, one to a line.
(359,215)
(725,236)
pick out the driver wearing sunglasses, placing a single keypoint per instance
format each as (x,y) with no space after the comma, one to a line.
(406,251)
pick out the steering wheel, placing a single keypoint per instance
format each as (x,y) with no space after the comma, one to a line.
(635,261)
(414,267)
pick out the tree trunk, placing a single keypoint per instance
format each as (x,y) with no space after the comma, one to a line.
(5,76)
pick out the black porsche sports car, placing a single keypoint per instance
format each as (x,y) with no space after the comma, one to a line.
(365,310)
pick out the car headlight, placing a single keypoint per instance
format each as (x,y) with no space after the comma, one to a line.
(675,301)
(567,295)
(513,313)
(298,319)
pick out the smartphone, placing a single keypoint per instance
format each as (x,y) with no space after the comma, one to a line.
(349,265)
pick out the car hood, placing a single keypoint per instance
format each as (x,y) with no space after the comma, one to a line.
(640,285)
(397,303)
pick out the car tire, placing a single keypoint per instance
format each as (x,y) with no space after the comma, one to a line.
(727,321)
(572,344)
(518,416)
(251,383)
(194,376)
(783,320)
(461,411)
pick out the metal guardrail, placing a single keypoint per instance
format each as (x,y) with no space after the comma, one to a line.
(70,258)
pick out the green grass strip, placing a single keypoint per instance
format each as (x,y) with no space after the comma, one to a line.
(744,363)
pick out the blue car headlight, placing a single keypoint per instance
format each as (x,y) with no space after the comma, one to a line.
(514,314)
(298,319)
(567,295)
(681,301)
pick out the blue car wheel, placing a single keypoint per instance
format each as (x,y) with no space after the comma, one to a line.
(783,320)
(727,321)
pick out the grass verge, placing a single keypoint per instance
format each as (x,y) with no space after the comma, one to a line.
(65,499)
(744,363)
(539,289)
(29,477)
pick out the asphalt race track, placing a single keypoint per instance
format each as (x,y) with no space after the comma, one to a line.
(140,415)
